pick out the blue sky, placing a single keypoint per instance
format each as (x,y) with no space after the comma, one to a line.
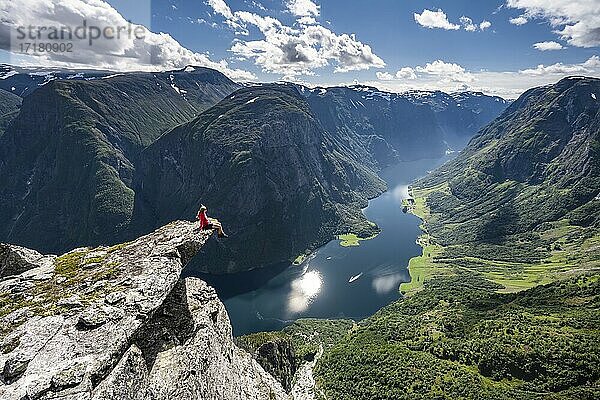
(396,45)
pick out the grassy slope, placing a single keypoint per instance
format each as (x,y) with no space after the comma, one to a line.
(519,205)
(567,248)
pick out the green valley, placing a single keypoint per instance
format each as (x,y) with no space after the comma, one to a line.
(504,301)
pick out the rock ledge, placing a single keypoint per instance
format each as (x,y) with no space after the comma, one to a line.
(119,322)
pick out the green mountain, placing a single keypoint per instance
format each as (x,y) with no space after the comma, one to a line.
(460,339)
(525,190)
(68,158)
(9,108)
(74,166)
(267,168)
(284,167)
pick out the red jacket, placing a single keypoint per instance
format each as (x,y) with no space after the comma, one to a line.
(203,219)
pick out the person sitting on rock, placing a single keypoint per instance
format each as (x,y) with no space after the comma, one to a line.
(207,223)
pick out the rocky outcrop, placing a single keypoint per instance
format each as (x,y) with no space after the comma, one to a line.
(15,259)
(120,323)
(305,386)
(278,358)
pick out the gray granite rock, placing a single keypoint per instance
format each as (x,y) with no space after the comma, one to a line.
(15,260)
(126,327)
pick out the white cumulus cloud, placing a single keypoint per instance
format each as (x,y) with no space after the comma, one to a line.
(450,72)
(384,76)
(295,51)
(406,73)
(509,84)
(303,8)
(468,24)
(576,21)
(520,20)
(485,25)
(221,7)
(438,19)
(435,19)
(590,66)
(547,46)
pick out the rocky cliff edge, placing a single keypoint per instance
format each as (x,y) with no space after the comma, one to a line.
(120,323)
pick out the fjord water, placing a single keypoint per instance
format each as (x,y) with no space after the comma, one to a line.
(335,281)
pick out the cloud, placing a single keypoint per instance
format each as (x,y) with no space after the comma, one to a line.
(592,63)
(435,19)
(303,8)
(509,84)
(588,67)
(220,7)
(307,21)
(300,50)
(444,71)
(547,46)
(467,24)
(438,19)
(576,21)
(143,50)
(484,25)
(406,73)
(384,76)
(450,72)
(520,20)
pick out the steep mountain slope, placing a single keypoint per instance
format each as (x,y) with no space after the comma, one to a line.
(394,127)
(460,115)
(527,186)
(265,166)
(68,157)
(120,323)
(9,108)
(404,126)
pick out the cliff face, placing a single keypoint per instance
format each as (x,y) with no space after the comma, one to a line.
(119,322)
(266,168)
(405,126)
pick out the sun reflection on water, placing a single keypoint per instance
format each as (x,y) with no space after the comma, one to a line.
(303,291)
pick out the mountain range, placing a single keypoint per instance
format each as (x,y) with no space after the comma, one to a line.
(95,158)
(503,303)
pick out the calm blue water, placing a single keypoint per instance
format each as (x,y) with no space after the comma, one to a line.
(336,281)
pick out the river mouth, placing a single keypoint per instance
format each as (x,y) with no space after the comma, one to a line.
(335,281)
